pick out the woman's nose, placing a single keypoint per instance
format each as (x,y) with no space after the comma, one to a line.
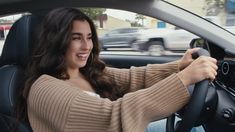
(85,45)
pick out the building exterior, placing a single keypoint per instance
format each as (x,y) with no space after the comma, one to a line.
(106,23)
(223,15)
(230,9)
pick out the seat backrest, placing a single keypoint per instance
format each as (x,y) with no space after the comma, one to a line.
(13,61)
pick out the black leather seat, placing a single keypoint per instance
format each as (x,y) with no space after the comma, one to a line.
(15,54)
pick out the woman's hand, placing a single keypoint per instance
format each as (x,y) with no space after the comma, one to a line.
(200,69)
(187,58)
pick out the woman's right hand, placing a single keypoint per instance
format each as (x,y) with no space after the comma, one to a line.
(200,69)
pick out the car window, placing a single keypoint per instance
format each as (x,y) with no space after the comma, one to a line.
(129,33)
(129,30)
(117,31)
(5,25)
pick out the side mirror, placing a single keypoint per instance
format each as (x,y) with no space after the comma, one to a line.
(199,42)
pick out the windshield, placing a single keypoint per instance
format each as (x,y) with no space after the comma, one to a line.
(219,12)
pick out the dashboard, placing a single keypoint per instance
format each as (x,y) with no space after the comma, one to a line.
(226,67)
(226,75)
(224,86)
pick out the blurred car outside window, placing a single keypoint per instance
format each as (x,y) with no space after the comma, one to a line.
(120,38)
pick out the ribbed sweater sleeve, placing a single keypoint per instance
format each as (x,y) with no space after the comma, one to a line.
(137,78)
(54,105)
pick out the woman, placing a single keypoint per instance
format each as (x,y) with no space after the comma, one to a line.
(69,88)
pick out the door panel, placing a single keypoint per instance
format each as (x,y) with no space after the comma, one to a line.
(124,61)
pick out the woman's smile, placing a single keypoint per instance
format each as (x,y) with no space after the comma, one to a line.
(82,56)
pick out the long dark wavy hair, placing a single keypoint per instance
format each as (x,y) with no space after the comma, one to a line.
(49,54)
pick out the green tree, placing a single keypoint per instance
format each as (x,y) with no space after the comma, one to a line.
(141,18)
(214,7)
(134,24)
(93,12)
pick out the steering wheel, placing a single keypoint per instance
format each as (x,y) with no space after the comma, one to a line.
(195,105)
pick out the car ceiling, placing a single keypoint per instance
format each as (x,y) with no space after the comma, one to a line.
(17,6)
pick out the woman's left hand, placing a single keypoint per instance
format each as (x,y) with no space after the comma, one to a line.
(187,58)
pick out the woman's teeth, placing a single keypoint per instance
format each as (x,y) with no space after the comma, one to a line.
(82,56)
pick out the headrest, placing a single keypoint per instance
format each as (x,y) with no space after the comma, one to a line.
(20,40)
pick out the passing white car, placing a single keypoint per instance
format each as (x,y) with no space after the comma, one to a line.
(160,40)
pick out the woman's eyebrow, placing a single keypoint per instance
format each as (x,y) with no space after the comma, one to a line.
(80,34)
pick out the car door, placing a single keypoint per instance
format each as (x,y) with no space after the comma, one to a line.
(124,37)
(111,38)
(129,35)
(179,39)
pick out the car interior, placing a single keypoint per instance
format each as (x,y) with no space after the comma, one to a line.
(14,59)
(218,109)
(15,55)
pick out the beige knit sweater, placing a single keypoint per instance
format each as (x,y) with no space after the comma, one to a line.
(155,92)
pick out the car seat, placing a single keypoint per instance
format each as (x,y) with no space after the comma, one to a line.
(13,61)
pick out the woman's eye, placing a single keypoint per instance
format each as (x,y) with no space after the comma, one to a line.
(76,38)
(89,38)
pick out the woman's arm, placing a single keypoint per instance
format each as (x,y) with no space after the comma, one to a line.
(56,106)
(137,78)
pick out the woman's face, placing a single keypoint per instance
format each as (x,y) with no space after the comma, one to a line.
(80,45)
